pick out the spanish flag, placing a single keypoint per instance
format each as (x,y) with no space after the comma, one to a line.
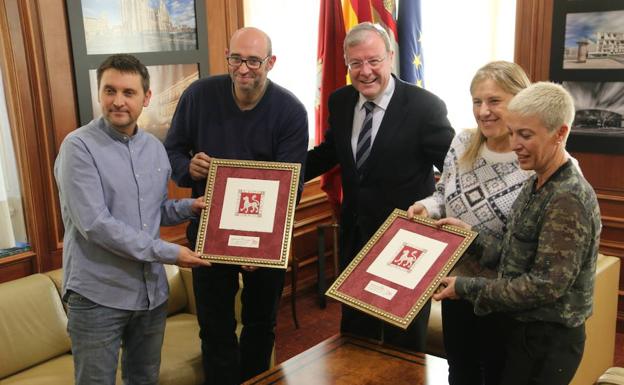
(375,11)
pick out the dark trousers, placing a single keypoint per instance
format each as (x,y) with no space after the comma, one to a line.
(475,346)
(361,324)
(542,353)
(225,361)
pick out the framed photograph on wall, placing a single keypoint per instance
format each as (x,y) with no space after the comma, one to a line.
(400,267)
(132,26)
(587,40)
(249,214)
(167,83)
(599,120)
(168,36)
(587,58)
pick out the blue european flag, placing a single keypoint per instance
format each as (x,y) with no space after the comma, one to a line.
(410,50)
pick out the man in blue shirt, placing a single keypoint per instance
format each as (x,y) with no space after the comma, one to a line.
(240,116)
(112,181)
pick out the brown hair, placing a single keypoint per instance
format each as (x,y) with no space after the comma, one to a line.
(127,64)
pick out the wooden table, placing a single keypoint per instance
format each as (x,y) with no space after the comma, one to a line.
(344,360)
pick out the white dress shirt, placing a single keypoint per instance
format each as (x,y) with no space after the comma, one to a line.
(381,104)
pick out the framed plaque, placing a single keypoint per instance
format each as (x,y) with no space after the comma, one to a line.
(400,267)
(250,206)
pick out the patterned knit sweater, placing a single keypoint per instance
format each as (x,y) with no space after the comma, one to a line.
(481,196)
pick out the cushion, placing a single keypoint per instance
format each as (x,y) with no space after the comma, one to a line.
(181,362)
(32,323)
(177,292)
(59,370)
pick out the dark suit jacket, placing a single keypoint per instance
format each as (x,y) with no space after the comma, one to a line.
(414,135)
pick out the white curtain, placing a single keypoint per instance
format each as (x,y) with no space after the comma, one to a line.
(7,238)
(458,38)
(293,28)
(12,228)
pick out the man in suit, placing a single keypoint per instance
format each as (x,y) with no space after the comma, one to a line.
(386,135)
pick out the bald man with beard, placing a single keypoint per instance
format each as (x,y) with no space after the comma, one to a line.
(242,115)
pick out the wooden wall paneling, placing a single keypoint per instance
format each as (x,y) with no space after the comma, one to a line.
(235,15)
(533,30)
(58,58)
(17,266)
(56,102)
(612,236)
(313,210)
(604,173)
(22,73)
(224,17)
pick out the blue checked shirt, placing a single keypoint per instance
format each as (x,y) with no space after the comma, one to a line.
(113,196)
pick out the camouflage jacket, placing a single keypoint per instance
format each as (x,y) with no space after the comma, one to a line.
(547,256)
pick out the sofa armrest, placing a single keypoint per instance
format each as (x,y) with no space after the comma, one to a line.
(57,278)
(600,327)
(435,336)
(187,278)
(32,324)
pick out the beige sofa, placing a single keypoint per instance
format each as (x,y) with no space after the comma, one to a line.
(35,348)
(600,327)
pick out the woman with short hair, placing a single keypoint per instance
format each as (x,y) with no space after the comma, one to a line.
(547,257)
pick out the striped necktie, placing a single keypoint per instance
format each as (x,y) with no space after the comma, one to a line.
(364,139)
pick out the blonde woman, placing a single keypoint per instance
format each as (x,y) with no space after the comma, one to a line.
(480,182)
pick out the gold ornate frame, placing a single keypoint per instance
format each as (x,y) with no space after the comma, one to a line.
(420,298)
(285,197)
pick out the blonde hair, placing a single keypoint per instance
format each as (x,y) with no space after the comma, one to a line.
(547,101)
(511,78)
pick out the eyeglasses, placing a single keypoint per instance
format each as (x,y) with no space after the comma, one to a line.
(253,63)
(358,64)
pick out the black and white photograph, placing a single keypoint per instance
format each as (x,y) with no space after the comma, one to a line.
(599,106)
(124,26)
(599,120)
(167,83)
